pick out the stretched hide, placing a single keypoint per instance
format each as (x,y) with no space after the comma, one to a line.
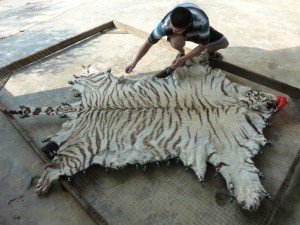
(196,115)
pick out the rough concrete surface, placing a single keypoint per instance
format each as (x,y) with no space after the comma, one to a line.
(19,169)
(264,37)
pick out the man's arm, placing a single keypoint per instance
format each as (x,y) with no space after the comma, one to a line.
(195,52)
(154,37)
(142,51)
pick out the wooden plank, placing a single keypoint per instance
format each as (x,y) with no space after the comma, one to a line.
(283,187)
(293,92)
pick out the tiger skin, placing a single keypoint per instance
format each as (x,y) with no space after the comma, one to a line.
(196,114)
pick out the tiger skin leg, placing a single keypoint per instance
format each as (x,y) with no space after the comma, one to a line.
(196,160)
(62,135)
(240,174)
(66,163)
(244,184)
(52,172)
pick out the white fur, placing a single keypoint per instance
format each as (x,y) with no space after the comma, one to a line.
(196,114)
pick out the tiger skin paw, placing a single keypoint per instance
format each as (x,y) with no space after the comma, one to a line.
(244,185)
(249,191)
(45,181)
(250,199)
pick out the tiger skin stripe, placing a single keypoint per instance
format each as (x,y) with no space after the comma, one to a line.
(196,114)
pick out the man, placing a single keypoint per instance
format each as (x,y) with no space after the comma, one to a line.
(186,22)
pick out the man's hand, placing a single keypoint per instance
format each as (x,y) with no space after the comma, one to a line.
(178,62)
(130,67)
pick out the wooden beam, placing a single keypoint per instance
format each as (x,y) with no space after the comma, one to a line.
(281,191)
(293,92)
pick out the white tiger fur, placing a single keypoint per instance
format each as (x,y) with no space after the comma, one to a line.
(196,114)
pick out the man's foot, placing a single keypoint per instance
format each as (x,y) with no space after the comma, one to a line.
(216,55)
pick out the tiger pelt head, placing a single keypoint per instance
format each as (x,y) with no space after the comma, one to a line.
(264,103)
(259,101)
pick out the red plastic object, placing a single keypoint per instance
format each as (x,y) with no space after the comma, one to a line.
(282,101)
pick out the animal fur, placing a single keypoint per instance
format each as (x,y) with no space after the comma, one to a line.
(196,114)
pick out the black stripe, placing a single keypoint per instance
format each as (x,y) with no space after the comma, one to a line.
(207,114)
(227,138)
(235,88)
(83,156)
(245,135)
(222,88)
(176,142)
(251,123)
(167,89)
(210,155)
(243,146)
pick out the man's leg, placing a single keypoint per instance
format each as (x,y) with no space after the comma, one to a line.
(217,41)
(177,41)
(219,44)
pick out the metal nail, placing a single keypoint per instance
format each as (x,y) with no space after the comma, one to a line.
(259,152)
(70,179)
(45,140)
(186,169)
(168,163)
(202,181)
(261,176)
(268,196)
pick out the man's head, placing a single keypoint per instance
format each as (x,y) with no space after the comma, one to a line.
(181,19)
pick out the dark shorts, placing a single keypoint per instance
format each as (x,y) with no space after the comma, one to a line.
(215,36)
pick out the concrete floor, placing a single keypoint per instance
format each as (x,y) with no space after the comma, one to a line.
(19,170)
(27,26)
